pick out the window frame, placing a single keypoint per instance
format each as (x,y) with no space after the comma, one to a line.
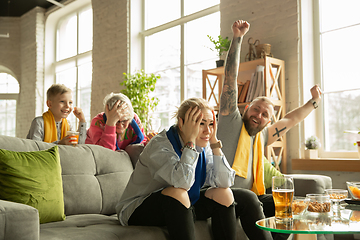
(138,40)
(51,37)
(178,22)
(318,74)
(10,96)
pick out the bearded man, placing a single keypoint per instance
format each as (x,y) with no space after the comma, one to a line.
(244,137)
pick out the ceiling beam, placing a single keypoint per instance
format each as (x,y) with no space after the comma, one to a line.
(56,3)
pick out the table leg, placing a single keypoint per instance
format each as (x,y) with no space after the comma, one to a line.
(304,236)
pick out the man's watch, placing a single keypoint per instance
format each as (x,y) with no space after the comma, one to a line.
(218,144)
(314,103)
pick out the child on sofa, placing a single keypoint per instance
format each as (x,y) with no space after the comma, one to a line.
(118,126)
(52,126)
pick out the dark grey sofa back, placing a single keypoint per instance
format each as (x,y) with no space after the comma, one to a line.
(94,177)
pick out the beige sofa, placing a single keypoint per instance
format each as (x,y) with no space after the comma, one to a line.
(94,179)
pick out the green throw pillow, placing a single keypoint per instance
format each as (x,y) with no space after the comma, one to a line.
(33,178)
(269,172)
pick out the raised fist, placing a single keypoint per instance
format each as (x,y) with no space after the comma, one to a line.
(240,28)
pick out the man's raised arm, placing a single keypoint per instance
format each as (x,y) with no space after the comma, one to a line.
(292,118)
(228,99)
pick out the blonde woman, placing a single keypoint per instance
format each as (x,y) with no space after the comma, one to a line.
(182,171)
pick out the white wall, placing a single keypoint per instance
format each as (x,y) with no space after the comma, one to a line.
(32,69)
(110,49)
(10,47)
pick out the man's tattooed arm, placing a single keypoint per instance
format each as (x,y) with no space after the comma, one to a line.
(277,132)
(228,99)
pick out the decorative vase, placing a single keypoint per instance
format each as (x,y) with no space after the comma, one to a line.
(219,63)
(358,147)
(311,153)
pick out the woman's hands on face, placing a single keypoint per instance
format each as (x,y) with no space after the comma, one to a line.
(190,126)
(213,138)
(117,113)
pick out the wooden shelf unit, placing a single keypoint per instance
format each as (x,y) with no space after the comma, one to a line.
(274,77)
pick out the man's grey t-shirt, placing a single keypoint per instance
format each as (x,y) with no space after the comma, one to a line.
(229,128)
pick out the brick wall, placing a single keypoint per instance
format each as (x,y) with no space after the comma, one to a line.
(10,47)
(32,68)
(110,52)
(276,23)
(22,54)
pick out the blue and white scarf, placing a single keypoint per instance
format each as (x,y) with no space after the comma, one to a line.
(200,170)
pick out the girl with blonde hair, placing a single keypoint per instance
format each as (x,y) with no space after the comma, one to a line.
(182,173)
(118,126)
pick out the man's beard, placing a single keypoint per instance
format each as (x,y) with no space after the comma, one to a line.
(252,131)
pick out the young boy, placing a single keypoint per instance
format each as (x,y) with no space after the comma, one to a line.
(52,126)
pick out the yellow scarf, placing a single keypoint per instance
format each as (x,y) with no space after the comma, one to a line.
(50,131)
(241,160)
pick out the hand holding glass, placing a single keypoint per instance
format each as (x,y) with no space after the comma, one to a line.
(283,193)
(74,137)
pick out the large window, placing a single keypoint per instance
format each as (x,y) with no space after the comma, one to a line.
(9,90)
(73,65)
(339,34)
(177,48)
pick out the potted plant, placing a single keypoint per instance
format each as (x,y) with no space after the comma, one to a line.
(138,87)
(312,144)
(221,45)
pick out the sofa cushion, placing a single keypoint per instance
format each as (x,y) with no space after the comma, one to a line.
(18,221)
(134,151)
(94,178)
(98,226)
(310,183)
(34,179)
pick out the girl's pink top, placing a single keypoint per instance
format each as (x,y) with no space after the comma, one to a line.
(101,134)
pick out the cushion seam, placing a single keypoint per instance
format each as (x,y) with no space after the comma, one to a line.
(97,179)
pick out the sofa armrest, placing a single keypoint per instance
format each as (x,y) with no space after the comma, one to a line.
(310,183)
(134,151)
(18,221)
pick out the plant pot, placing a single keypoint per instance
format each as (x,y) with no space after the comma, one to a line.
(358,146)
(311,153)
(219,63)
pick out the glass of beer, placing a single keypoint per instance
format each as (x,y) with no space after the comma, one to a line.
(283,193)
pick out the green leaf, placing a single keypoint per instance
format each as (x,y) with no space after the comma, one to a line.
(138,86)
(221,45)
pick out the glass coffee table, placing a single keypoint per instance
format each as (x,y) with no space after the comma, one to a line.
(315,223)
